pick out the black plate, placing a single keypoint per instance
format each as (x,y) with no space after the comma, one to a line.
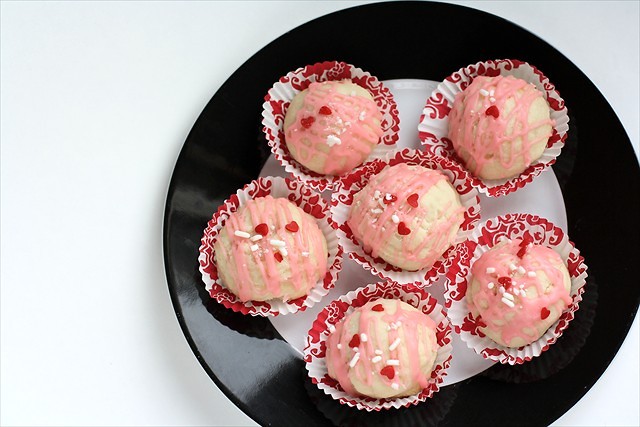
(248,359)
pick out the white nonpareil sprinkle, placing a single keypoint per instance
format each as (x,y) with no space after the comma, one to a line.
(492,92)
(532,274)
(283,251)
(484,92)
(387,196)
(256,237)
(393,362)
(242,234)
(339,346)
(395,219)
(376,211)
(492,100)
(395,386)
(501,289)
(305,254)
(508,296)
(376,194)
(521,270)
(491,270)
(490,285)
(254,248)
(278,243)
(355,359)
(376,359)
(394,344)
(363,337)
(508,302)
(333,140)
(516,291)
(378,352)
(362,115)
(331,328)
(512,267)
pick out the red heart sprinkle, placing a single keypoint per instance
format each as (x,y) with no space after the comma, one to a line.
(544,313)
(403,230)
(505,281)
(377,307)
(389,199)
(355,341)
(522,251)
(526,239)
(262,229)
(307,122)
(413,200)
(493,111)
(324,110)
(278,256)
(388,372)
(292,226)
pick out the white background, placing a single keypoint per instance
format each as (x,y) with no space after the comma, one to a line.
(97,99)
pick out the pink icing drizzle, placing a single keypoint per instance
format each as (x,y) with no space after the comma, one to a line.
(490,134)
(527,310)
(375,229)
(367,371)
(355,120)
(276,213)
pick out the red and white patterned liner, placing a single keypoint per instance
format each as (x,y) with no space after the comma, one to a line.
(349,185)
(487,235)
(334,312)
(306,199)
(284,90)
(433,129)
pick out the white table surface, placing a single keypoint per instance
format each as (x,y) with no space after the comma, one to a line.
(97,99)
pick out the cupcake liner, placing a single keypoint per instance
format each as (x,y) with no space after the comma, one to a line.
(315,349)
(306,199)
(433,129)
(284,90)
(342,199)
(428,415)
(487,235)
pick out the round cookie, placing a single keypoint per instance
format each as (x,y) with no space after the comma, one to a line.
(270,248)
(407,215)
(499,126)
(384,349)
(518,290)
(332,127)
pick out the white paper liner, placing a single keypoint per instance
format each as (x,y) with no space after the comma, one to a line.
(434,122)
(487,235)
(315,349)
(283,91)
(342,199)
(300,195)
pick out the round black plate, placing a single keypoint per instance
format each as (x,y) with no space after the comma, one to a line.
(248,359)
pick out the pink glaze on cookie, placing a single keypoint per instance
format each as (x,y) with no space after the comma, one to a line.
(480,128)
(384,351)
(279,242)
(515,288)
(340,128)
(393,206)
